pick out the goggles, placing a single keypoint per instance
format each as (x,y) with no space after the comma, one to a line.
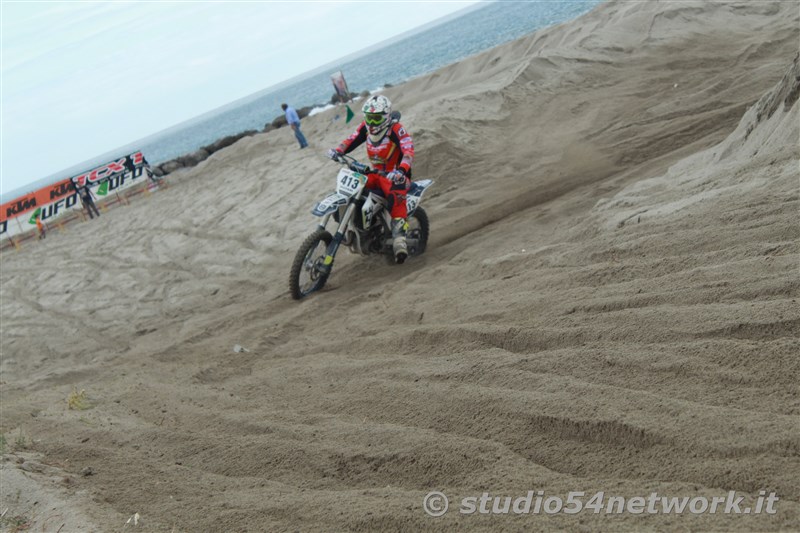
(374,119)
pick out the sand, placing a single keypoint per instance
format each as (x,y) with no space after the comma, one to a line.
(608,303)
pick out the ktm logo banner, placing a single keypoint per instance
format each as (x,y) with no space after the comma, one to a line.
(31,201)
(55,199)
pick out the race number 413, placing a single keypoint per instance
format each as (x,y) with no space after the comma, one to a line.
(349,181)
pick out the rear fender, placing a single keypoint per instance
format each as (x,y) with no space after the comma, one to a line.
(415,192)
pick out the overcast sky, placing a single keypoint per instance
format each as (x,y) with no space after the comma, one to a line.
(83,78)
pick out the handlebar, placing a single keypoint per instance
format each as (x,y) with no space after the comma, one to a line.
(356,166)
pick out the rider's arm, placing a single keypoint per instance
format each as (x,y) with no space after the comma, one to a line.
(406,143)
(355,140)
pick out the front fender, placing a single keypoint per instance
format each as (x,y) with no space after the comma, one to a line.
(329,204)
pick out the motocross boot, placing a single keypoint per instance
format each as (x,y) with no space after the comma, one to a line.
(399,227)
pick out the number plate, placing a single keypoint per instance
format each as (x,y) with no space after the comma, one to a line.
(415,193)
(349,183)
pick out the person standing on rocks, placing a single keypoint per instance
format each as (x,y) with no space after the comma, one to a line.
(294,121)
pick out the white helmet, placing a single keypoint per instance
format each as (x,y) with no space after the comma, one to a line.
(377,111)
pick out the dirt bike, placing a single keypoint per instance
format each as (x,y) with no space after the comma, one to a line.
(364,226)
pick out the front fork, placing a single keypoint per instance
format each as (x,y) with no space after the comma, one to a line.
(324,222)
(327,263)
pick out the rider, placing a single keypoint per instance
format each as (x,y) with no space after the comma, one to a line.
(391,151)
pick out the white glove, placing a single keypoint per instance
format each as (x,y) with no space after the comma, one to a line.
(334,154)
(397,177)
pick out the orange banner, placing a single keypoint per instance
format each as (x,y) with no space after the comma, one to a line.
(31,201)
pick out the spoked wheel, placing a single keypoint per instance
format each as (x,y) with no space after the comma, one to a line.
(306,276)
(417,233)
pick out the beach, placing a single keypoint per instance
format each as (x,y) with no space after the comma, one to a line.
(608,303)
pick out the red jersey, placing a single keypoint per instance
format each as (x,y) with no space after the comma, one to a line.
(394,150)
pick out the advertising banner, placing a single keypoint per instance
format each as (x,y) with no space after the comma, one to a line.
(54,200)
(340,85)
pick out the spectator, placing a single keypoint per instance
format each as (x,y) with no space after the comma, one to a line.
(294,122)
(87,199)
(129,166)
(40,227)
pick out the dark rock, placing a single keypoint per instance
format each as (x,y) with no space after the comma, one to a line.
(171,166)
(279,122)
(219,144)
(187,160)
(364,94)
(194,158)
(190,160)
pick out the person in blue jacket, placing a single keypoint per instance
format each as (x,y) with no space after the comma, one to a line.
(294,122)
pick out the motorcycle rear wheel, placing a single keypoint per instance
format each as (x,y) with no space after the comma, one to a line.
(416,235)
(418,232)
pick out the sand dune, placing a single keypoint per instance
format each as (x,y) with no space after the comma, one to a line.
(608,303)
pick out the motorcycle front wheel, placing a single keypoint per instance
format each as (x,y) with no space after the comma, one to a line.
(306,276)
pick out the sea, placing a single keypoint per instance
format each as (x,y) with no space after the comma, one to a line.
(416,53)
